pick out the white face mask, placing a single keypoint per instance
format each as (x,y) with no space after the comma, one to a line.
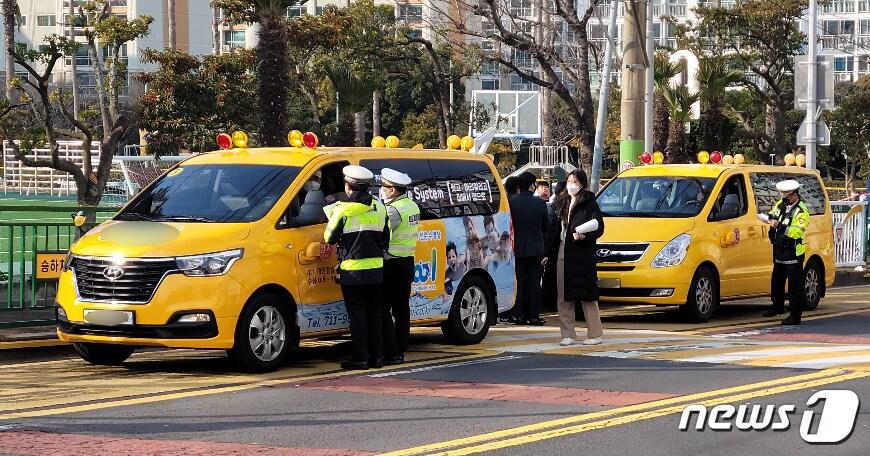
(383,194)
(573,189)
(312,186)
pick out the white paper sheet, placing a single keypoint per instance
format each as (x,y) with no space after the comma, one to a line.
(587,227)
(764,218)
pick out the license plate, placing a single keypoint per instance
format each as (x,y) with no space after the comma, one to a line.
(609,283)
(108,317)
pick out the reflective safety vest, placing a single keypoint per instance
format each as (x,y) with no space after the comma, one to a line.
(404,221)
(788,237)
(359,227)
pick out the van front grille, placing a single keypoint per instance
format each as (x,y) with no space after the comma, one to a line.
(99,279)
(621,253)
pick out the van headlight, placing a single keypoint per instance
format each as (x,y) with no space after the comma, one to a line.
(674,252)
(209,264)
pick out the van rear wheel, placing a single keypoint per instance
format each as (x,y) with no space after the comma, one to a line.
(703,296)
(814,283)
(103,354)
(468,322)
(263,334)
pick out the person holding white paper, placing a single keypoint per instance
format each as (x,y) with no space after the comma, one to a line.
(582,224)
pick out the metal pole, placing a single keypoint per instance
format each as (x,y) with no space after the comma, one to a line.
(73,71)
(648,114)
(812,136)
(603,96)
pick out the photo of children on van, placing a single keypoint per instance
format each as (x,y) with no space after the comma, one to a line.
(478,242)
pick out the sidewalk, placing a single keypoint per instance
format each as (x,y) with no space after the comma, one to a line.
(27,328)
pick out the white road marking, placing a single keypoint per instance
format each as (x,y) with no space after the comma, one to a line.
(772,353)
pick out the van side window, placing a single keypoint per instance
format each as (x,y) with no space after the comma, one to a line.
(731,202)
(766,194)
(419,172)
(306,208)
(464,187)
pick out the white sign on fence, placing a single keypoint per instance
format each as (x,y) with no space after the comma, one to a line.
(850,231)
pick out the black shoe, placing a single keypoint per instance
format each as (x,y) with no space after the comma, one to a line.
(393,360)
(537,322)
(791,321)
(355,365)
(773,312)
(507,320)
(376,363)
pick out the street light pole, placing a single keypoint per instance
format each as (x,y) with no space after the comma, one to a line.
(812,134)
(603,97)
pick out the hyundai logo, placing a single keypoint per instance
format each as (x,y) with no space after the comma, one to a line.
(113,273)
(603,253)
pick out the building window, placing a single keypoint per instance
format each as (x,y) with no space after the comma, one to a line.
(488,27)
(521,8)
(23,75)
(489,68)
(318,11)
(411,13)
(87,80)
(234,39)
(489,84)
(45,21)
(82,57)
(864,28)
(487,45)
(863,6)
(108,51)
(415,34)
(842,64)
(296,11)
(520,83)
(522,59)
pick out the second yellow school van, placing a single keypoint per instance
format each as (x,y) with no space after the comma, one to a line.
(225,251)
(689,235)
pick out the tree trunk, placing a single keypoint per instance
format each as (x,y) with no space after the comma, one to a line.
(676,152)
(314,103)
(359,128)
(376,113)
(170,10)
(216,31)
(9,9)
(273,77)
(661,123)
(774,124)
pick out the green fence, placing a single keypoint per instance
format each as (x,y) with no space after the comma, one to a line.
(24,232)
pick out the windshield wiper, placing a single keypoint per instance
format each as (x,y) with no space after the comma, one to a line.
(136,215)
(182,218)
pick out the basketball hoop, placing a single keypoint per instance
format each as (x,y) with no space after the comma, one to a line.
(516,143)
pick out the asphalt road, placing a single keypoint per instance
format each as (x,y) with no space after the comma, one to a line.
(517,393)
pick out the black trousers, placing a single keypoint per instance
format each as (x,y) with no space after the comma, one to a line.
(364,306)
(796,293)
(528,303)
(549,288)
(398,275)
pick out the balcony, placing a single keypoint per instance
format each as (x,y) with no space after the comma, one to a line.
(834,41)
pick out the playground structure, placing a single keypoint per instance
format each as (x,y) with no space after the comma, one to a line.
(127,175)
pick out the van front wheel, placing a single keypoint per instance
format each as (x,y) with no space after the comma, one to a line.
(263,335)
(703,296)
(103,354)
(469,320)
(814,282)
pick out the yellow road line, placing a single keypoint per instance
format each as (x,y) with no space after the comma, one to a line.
(633,418)
(159,397)
(30,344)
(512,432)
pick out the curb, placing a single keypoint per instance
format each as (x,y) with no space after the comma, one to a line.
(850,277)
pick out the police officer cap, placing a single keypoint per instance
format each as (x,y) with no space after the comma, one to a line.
(354,174)
(788,186)
(393,178)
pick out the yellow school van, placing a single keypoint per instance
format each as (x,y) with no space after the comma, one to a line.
(224,251)
(689,235)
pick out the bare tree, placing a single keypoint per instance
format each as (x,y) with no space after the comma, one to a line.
(560,64)
(10,13)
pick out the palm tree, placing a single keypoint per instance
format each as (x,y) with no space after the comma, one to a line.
(170,10)
(355,94)
(10,13)
(663,71)
(273,70)
(714,76)
(679,101)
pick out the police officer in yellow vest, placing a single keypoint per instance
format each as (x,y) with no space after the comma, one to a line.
(404,218)
(789,220)
(358,224)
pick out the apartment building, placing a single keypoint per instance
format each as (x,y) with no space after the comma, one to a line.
(40,18)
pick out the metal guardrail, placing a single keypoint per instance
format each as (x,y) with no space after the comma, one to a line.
(25,298)
(850,232)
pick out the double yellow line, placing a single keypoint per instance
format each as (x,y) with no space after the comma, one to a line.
(523,435)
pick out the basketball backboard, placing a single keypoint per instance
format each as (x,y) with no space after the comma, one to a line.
(518,113)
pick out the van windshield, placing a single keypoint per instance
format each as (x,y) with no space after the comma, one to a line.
(211,193)
(663,197)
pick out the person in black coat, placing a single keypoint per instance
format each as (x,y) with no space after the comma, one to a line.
(551,291)
(529,216)
(580,258)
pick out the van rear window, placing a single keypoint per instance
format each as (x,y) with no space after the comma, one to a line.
(766,194)
(444,188)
